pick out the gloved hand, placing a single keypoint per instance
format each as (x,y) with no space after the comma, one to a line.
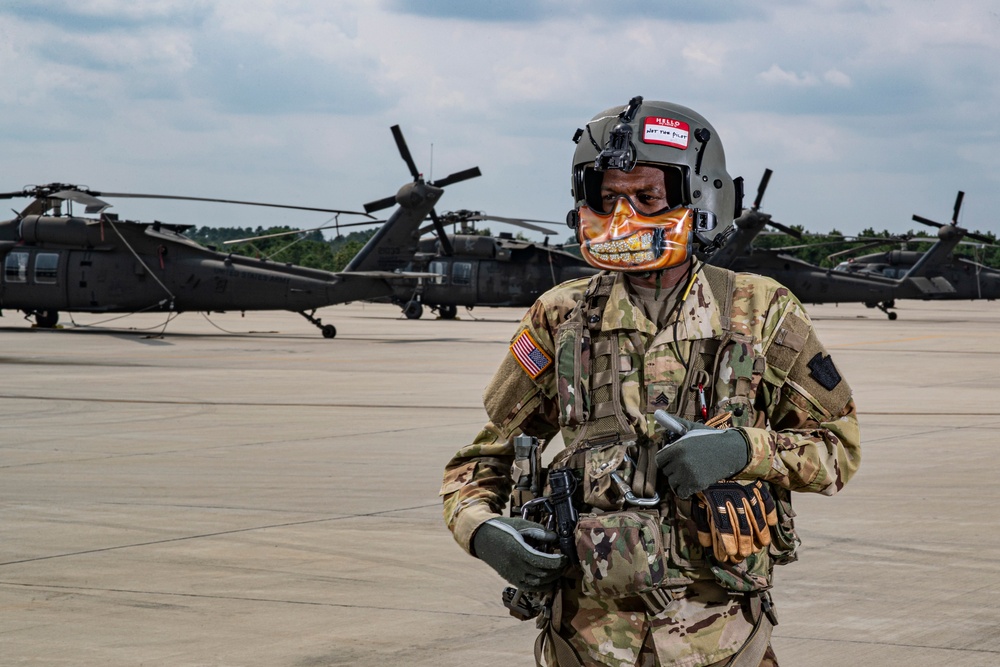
(702,457)
(500,543)
(734,519)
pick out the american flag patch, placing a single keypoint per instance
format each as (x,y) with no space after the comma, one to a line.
(529,355)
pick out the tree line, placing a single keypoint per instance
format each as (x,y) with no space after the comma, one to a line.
(311,249)
(828,250)
(308,249)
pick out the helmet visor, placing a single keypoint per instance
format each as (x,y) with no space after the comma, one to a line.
(626,240)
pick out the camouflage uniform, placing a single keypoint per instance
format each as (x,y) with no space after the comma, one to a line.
(775,378)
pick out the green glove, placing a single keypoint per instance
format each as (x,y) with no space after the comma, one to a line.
(702,457)
(501,544)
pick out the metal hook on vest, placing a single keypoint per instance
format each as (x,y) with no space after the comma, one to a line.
(626,490)
(699,379)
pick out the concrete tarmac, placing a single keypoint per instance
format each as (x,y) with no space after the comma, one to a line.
(269,497)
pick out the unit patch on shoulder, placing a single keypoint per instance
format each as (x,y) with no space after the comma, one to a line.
(824,372)
(666,132)
(531,357)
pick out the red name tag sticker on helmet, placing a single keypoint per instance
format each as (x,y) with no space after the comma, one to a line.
(666,132)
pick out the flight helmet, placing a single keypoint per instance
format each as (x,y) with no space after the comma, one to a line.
(702,196)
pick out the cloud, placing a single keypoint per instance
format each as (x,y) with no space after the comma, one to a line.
(101,16)
(623,14)
(290,96)
(776,75)
(476,10)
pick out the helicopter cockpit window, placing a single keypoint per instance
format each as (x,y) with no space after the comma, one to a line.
(461,273)
(441,269)
(895,273)
(15,267)
(46,268)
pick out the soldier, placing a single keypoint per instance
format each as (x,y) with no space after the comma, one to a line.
(691,401)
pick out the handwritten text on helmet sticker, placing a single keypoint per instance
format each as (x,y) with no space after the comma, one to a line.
(666,132)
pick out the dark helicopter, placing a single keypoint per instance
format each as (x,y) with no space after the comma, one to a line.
(54,262)
(936,273)
(877,281)
(471,269)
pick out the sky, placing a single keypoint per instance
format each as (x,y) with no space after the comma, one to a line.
(867,111)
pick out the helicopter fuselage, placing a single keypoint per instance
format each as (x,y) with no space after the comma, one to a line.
(489,271)
(88,265)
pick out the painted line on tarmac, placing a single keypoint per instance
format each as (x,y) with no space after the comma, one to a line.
(237,598)
(265,404)
(900,644)
(234,531)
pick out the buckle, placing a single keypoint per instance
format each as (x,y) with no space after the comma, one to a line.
(767,607)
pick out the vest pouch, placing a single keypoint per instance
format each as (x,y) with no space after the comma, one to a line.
(573,371)
(737,377)
(621,553)
(599,489)
(686,553)
(750,574)
(784,540)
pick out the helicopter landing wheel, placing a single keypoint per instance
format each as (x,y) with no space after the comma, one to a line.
(885,306)
(46,319)
(413,310)
(448,311)
(328,330)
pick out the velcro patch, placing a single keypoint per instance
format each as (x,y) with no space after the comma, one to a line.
(824,372)
(532,358)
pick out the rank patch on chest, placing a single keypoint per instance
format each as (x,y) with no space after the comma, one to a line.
(532,359)
(824,372)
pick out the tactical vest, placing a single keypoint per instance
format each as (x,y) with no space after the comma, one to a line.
(613,451)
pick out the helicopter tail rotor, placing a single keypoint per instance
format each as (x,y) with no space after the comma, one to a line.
(954,222)
(458,176)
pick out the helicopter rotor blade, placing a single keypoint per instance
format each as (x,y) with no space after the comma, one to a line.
(761,188)
(517,222)
(404,151)
(458,176)
(980,237)
(301,231)
(958,207)
(446,247)
(92,204)
(380,204)
(925,221)
(866,246)
(228,201)
(512,220)
(785,229)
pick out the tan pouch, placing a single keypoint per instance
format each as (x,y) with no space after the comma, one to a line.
(621,553)
(599,490)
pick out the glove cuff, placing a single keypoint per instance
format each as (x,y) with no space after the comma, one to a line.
(759,454)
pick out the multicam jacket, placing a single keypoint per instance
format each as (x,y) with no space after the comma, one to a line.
(772,374)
